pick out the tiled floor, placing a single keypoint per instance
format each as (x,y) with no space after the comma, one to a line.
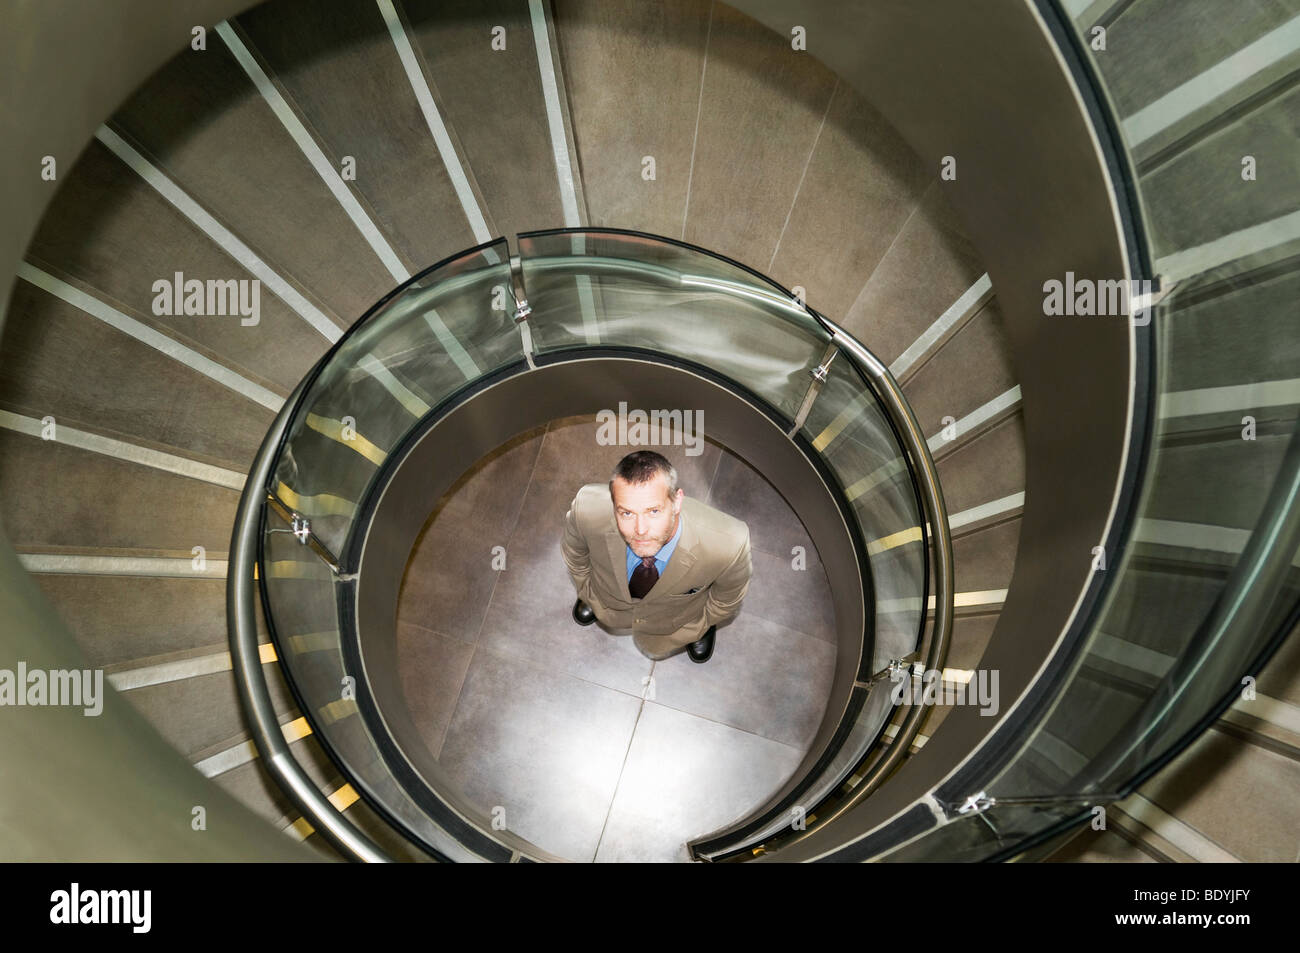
(593,751)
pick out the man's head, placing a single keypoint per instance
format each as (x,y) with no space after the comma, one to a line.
(647,500)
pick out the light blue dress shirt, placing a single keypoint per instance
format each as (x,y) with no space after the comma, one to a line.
(661,557)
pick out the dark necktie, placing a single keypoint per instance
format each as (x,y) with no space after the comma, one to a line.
(643,578)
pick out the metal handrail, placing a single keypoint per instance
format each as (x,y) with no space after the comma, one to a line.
(247,661)
(240,610)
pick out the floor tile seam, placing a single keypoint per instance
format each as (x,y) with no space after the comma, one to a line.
(455,708)
(784,744)
(438,632)
(523,497)
(756,615)
(627,752)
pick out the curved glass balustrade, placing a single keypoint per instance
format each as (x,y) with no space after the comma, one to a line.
(575,294)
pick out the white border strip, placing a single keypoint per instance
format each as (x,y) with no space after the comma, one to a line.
(455,350)
(1274,711)
(699,111)
(1057,752)
(1203,536)
(424,96)
(1240,244)
(130,452)
(976,418)
(227,760)
(244,752)
(1187,839)
(1130,655)
(961,600)
(554,115)
(563,160)
(176,671)
(1219,400)
(314,154)
(225,238)
(874,479)
(1200,91)
(147,335)
(971,300)
(169,566)
(975,514)
(984,511)
(1218,539)
(410,402)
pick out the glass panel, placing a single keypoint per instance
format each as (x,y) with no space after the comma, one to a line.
(602,288)
(302,613)
(302,609)
(849,428)
(449,326)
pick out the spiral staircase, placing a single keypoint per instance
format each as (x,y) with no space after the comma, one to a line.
(333,150)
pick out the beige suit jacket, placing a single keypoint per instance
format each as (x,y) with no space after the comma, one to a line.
(703,584)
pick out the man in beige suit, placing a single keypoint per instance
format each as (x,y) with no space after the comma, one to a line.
(649,562)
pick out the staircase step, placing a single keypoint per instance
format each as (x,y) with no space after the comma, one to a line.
(47,341)
(56,495)
(506,139)
(340,71)
(973,367)
(1156,46)
(115,619)
(928,269)
(202,104)
(633,74)
(111,233)
(753,151)
(860,184)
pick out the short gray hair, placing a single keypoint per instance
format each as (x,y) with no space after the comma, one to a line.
(641,466)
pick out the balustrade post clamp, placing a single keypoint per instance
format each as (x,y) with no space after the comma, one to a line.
(976,804)
(523,311)
(301,528)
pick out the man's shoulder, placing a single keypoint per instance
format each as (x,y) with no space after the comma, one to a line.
(592,504)
(592,494)
(715,523)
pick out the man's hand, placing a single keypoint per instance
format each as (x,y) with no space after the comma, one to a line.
(728,590)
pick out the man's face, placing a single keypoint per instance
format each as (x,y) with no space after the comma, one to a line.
(646,514)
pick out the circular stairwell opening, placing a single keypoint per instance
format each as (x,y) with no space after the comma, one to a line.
(569,735)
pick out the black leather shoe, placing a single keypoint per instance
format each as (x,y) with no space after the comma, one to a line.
(582,613)
(702,650)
